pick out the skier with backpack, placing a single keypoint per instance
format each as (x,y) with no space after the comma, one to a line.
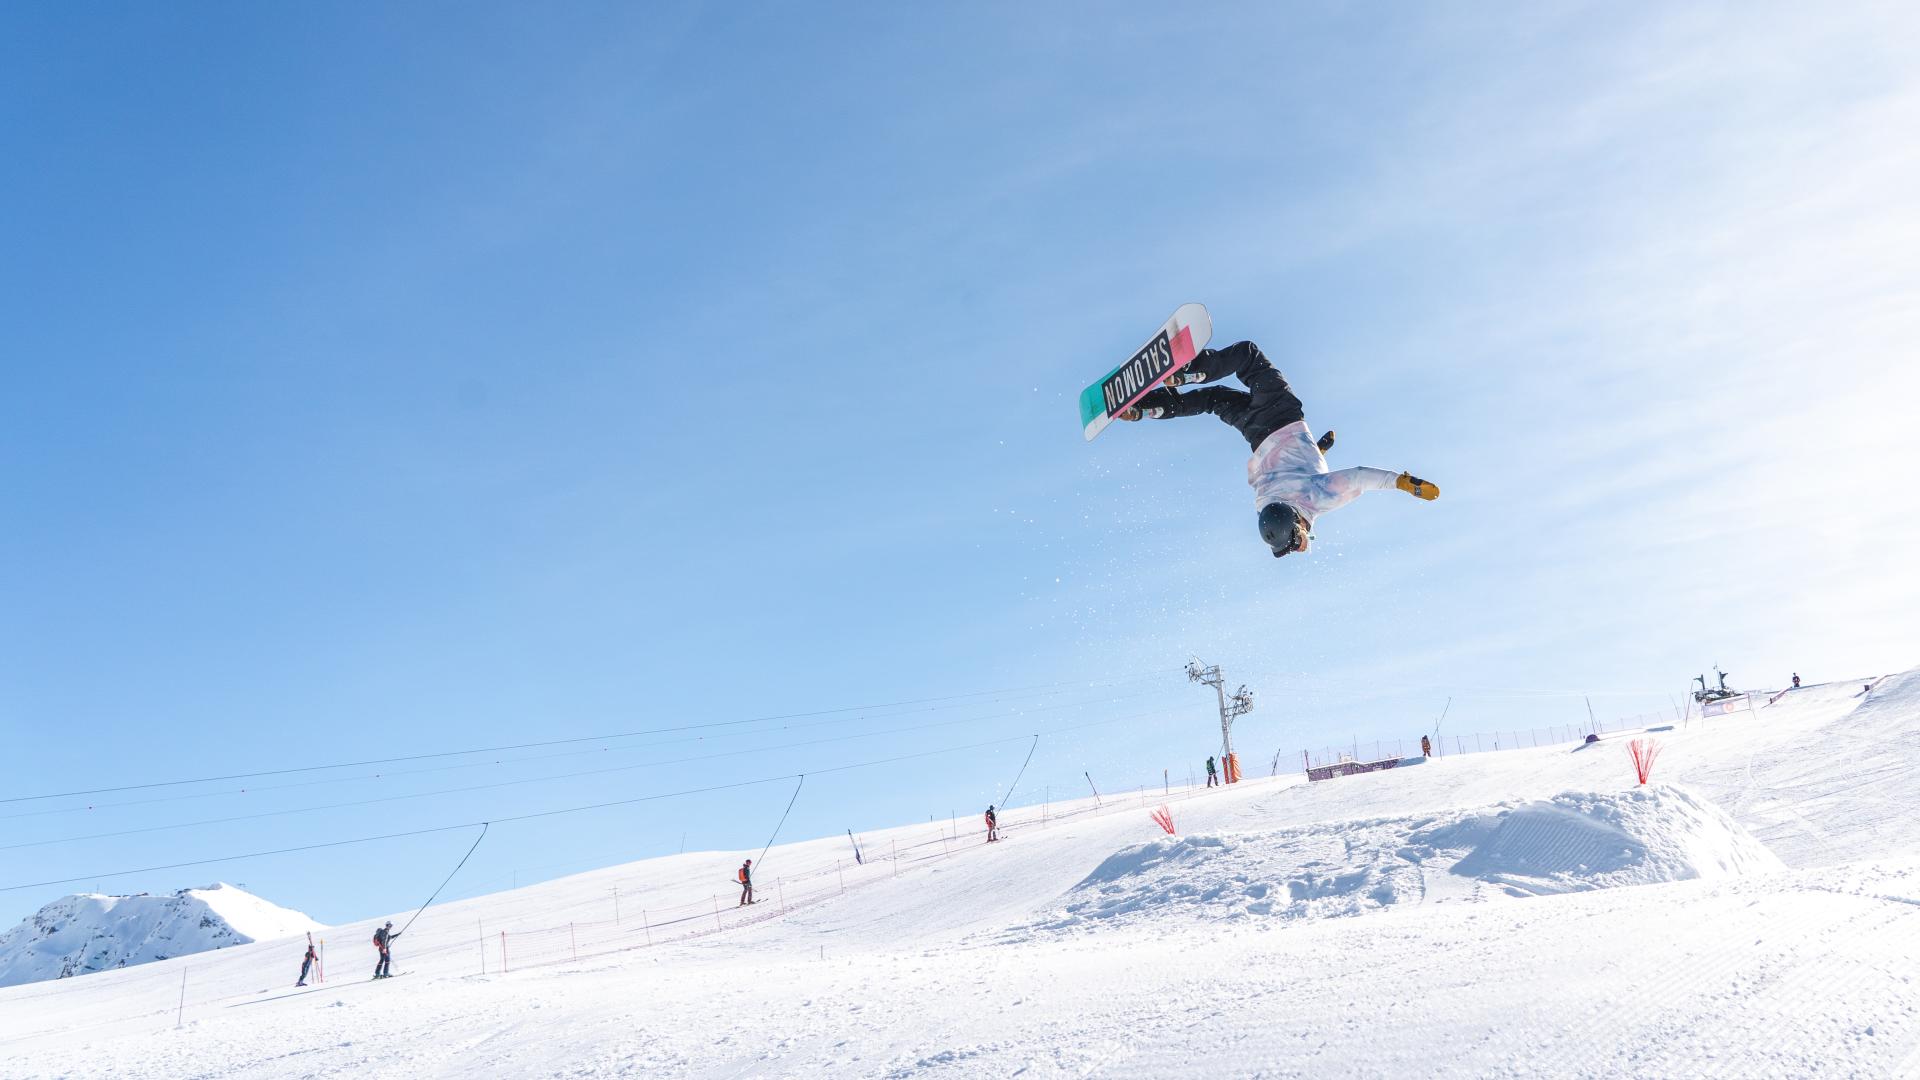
(383,940)
(746,883)
(1288,471)
(1212,775)
(993,826)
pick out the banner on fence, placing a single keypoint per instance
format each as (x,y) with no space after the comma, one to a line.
(1352,768)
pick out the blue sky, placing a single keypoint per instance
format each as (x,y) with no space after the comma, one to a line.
(387,380)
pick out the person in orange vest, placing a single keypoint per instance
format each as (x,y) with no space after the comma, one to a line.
(746,883)
(1426,746)
(993,826)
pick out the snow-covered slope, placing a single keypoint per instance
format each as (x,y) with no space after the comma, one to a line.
(1573,842)
(1755,911)
(88,932)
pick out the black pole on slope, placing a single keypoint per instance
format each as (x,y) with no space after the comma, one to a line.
(1006,798)
(783,819)
(456,869)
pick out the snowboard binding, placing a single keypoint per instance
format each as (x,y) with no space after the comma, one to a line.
(1155,404)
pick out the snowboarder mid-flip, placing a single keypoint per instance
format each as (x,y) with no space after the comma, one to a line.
(993,825)
(1288,471)
(746,883)
(383,940)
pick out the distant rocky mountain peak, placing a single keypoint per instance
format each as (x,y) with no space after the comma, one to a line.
(88,932)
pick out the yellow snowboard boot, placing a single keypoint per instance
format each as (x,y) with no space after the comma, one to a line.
(1416,487)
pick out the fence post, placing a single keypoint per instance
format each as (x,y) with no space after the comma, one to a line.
(838,869)
(503,952)
(616,905)
(646,927)
(716,912)
(896,858)
(180,1017)
(483,944)
(573,943)
(780,888)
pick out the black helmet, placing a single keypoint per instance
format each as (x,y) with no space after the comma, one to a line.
(1282,527)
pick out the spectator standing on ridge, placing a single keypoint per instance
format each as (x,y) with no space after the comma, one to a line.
(1796,680)
(383,940)
(1426,746)
(307,962)
(1210,773)
(993,826)
(746,883)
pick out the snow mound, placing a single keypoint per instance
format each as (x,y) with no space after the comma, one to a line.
(1578,841)
(89,932)
(1572,842)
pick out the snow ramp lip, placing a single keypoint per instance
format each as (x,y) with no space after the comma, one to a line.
(1576,841)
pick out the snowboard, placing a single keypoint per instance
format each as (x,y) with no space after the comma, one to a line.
(1171,348)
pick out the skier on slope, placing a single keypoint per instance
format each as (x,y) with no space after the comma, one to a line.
(1288,471)
(383,939)
(307,962)
(1212,776)
(746,883)
(993,826)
